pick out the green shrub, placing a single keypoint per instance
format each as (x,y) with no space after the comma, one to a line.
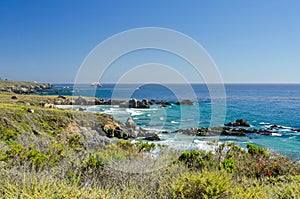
(7,134)
(205,184)
(75,142)
(125,145)
(93,163)
(15,151)
(35,157)
(195,159)
(145,146)
(229,165)
(257,150)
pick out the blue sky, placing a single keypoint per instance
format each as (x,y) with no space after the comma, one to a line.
(250,41)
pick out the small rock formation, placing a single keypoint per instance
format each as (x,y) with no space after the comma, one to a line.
(185,102)
(132,103)
(237,123)
(274,126)
(130,124)
(296,130)
(163,103)
(153,137)
(14,97)
(80,101)
(30,110)
(25,87)
(62,97)
(48,105)
(152,102)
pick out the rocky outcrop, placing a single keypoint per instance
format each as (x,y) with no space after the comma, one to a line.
(163,103)
(130,124)
(133,103)
(23,87)
(237,123)
(227,131)
(143,104)
(185,102)
(203,131)
(153,137)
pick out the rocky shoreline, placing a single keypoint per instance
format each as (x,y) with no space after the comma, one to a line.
(23,87)
(131,103)
(129,129)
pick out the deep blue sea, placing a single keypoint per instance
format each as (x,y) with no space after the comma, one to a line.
(260,104)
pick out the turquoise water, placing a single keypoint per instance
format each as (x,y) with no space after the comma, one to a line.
(261,105)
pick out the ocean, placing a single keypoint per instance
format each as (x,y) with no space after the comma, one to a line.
(262,105)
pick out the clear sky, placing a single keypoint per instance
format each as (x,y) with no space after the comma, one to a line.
(250,41)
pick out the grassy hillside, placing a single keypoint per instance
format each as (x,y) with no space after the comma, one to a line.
(54,153)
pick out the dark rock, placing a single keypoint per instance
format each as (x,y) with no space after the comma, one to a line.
(233,133)
(133,103)
(163,103)
(143,132)
(98,101)
(191,131)
(14,97)
(144,104)
(274,126)
(152,102)
(30,110)
(215,131)
(36,132)
(153,137)
(62,97)
(81,109)
(240,122)
(185,102)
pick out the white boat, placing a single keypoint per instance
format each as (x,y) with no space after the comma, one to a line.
(96,84)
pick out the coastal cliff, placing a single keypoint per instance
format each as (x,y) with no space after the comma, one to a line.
(47,152)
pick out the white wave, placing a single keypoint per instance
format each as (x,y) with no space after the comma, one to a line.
(286,127)
(264,123)
(276,134)
(278,127)
(292,137)
(174,122)
(203,145)
(133,112)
